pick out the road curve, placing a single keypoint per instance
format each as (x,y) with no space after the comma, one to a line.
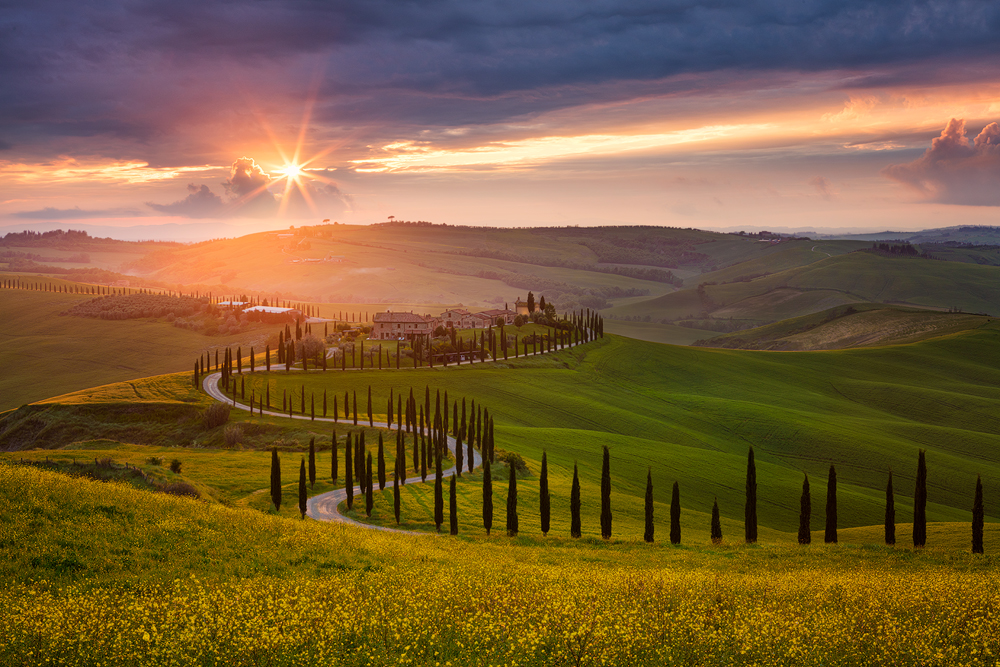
(324,506)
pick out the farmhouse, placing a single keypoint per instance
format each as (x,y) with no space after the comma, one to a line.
(507,315)
(399,326)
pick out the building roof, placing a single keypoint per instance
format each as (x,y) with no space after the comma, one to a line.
(496,312)
(269,309)
(231,303)
(390,317)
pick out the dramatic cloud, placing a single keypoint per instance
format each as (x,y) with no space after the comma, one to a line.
(50,213)
(955,171)
(200,203)
(128,72)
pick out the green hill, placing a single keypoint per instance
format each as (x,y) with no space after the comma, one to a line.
(857,277)
(857,325)
(692,413)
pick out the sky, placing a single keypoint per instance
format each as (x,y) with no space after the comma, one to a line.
(189,120)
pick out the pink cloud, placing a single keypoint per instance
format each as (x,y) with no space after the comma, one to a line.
(954,170)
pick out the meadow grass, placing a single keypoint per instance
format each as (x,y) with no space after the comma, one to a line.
(100,573)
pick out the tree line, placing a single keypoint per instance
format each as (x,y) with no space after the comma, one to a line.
(363,476)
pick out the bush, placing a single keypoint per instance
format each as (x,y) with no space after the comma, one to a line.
(104,463)
(233,434)
(175,466)
(216,415)
(154,460)
(512,459)
(181,489)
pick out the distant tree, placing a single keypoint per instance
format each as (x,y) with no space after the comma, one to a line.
(531,303)
(977,517)
(830,537)
(487,496)
(606,494)
(750,510)
(395,496)
(453,507)
(369,497)
(333,457)
(371,422)
(302,489)
(805,513)
(544,501)
(890,513)
(574,504)
(381,463)
(349,471)
(920,503)
(519,321)
(275,480)
(648,534)
(716,523)
(312,462)
(675,515)
(512,501)
(438,493)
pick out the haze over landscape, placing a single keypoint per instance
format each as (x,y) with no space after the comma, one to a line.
(605,333)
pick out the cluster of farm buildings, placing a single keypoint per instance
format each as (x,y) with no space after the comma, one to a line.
(407,326)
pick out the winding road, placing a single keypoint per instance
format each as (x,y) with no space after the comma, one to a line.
(324,506)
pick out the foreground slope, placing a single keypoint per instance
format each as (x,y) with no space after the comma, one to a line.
(103,574)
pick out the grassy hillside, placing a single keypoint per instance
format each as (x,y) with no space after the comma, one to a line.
(851,326)
(832,281)
(692,414)
(47,354)
(101,573)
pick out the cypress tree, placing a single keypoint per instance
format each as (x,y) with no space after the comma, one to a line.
(454,418)
(302,489)
(830,537)
(458,456)
(544,501)
(349,472)
(381,463)
(312,462)
(395,496)
(355,408)
(487,497)
(675,515)
(371,422)
(920,503)
(716,523)
(805,513)
(512,501)
(335,409)
(977,518)
(890,513)
(453,507)
(401,453)
(606,494)
(333,458)
(750,510)
(470,456)
(369,499)
(275,480)
(648,534)
(574,505)
(438,499)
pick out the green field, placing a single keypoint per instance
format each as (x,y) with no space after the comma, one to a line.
(856,325)
(832,281)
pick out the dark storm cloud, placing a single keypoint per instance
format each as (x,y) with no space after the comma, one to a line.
(145,70)
(200,203)
(50,213)
(954,170)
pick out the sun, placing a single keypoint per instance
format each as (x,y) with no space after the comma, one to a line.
(291,170)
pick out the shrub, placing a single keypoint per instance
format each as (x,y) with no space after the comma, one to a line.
(181,488)
(104,463)
(216,415)
(154,460)
(512,459)
(233,434)
(175,466)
